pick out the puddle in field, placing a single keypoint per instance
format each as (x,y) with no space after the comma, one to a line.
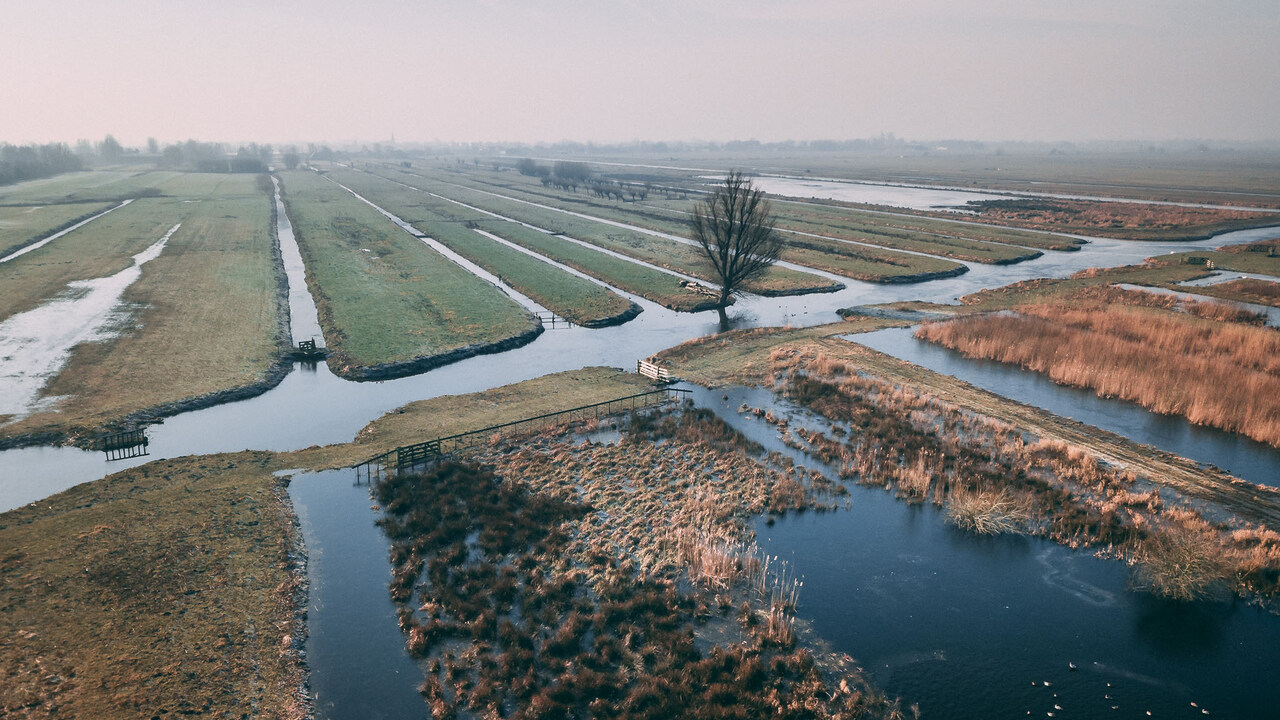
(34,345)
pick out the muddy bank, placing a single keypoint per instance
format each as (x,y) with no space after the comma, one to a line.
(1014,261)
(833,287)
(297,563)
(629,314)
(388,371)
(85,437)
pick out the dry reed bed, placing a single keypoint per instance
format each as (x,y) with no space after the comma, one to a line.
(1225,375)
(1262,292)
(564,578)
(991,477)
(1124,220)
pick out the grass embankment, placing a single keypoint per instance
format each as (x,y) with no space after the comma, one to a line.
(206,316)
(579,300)
(660,287)
(22,225)
(167,589)
(670,254)
(1225,375)
(999,465)
(846,259)
(891,227)
(388,304)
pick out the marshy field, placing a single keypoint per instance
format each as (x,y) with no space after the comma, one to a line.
(994,437)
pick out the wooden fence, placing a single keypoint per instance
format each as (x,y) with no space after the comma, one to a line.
(552,320)
(407,457)
(122,445)
(653,371)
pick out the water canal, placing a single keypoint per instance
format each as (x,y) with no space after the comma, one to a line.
(965,627)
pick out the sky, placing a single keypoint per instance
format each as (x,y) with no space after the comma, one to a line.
(651,70)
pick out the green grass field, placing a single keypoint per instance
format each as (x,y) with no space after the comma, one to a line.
(569,296)
(20,225)
(99,249)
(662,252)
(205,314)
(662,288)
(384,296)
(670,215)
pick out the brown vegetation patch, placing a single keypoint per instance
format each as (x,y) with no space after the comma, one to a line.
(165,589)
(1262,292)
(1134,221)
(993,477)
(1224,375)
(571,577)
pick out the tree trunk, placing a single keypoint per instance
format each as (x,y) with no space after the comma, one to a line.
(724,318)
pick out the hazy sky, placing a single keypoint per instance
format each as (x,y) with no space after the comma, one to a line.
(547,70)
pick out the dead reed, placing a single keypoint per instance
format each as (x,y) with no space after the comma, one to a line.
(1224,375)
(990,477)
(555,592)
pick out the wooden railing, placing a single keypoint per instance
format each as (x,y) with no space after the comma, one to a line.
(407,457)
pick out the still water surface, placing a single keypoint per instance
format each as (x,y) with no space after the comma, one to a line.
(974,627)
(963,626)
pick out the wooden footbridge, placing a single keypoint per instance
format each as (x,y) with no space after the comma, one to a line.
(408,457)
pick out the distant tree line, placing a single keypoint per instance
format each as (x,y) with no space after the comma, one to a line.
(213,157)
(570,175)
(30,162)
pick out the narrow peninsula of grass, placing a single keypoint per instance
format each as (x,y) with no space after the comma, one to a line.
(579,300)
(663,252)
(389,304)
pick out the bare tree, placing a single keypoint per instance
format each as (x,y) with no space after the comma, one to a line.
(734,227)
